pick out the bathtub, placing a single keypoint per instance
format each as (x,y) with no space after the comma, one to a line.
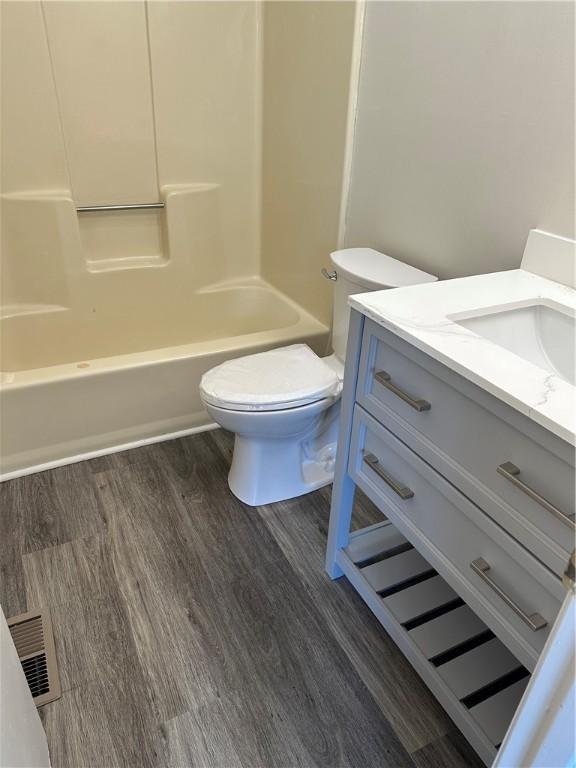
(78,384)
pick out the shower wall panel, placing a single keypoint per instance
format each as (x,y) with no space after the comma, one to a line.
(32,150)
(128,102)
(306,64)
(206,83)
(99,54)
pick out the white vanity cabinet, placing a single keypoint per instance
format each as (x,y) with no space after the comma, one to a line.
(465,569)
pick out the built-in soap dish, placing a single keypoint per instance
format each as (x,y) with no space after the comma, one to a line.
(119,240)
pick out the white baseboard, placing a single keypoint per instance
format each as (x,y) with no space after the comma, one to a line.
(105,451)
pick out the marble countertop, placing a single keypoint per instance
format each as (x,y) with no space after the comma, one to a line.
(421,314)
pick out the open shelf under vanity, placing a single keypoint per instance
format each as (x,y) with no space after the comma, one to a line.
(476,678)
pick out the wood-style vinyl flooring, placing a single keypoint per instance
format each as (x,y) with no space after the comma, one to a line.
(192,630)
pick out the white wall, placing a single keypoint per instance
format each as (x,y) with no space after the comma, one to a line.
(22,738)
(465,132)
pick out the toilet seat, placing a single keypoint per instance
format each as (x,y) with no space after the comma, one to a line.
(269,381)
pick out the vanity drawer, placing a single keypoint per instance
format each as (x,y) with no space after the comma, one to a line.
(511,591)
(515,470)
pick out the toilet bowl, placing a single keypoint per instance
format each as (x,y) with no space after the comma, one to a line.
(283,453)
(283,405)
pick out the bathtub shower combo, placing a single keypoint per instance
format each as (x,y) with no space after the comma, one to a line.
(151,226)
(115,353)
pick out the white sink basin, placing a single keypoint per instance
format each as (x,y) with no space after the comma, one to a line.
(538,332)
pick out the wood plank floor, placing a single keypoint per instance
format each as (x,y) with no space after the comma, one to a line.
(192,630)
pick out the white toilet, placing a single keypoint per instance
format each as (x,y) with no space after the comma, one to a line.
(283,405)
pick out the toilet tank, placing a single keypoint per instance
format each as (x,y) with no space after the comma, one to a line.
(359,270)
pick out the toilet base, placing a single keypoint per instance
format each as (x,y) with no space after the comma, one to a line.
(265,470)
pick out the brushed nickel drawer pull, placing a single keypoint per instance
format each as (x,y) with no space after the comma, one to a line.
(511,472)
(533,620)
(384,378)
(401,490)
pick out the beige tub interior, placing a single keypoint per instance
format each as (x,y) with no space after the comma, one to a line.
(42,339)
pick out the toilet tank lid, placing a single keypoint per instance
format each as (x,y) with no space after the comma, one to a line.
(372,270)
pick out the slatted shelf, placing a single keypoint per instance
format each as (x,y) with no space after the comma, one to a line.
(447,632)
(471,672)
(494,715)
(379,538)
(478,668)
(420,599)
(392,572)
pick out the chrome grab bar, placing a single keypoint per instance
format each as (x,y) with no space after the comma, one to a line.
(533,620)
(401,490)
(511,472)
(384,378)
(127,207)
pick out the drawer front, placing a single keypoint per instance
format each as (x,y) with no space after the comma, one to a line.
(512,592)
(526,487)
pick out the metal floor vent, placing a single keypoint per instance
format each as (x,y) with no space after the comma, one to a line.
(34,641)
